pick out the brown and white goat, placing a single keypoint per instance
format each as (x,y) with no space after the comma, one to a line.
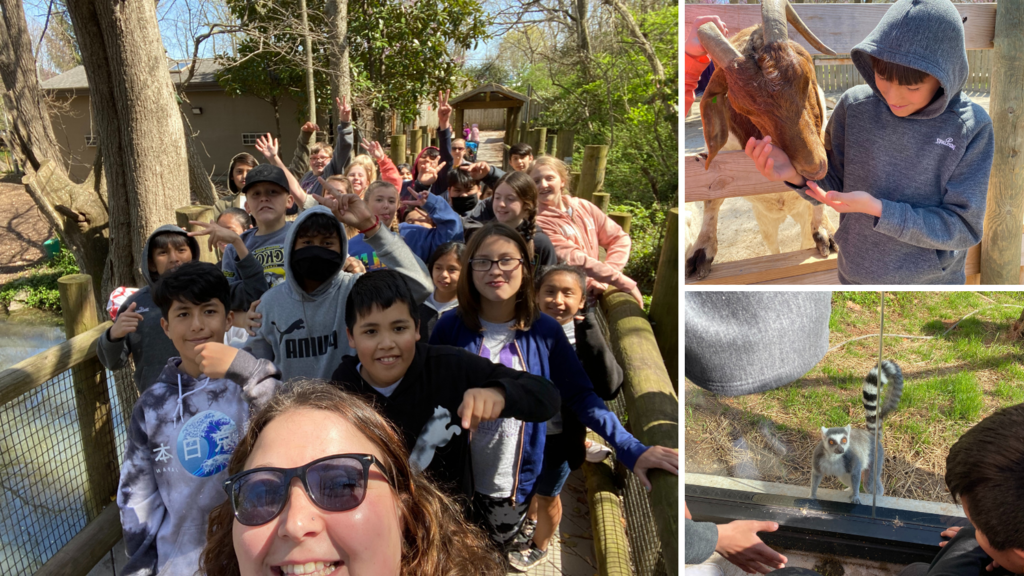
(764,84)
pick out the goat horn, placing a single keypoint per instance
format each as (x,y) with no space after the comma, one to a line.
(804,31)
(720,49)
(773,21)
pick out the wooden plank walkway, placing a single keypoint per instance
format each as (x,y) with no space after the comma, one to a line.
(491,147)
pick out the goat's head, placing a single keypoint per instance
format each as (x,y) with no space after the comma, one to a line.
(764,84)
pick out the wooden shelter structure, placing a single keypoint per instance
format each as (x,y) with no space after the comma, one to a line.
(490,96)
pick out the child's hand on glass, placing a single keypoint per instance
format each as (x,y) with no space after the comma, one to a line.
(846,201)
(771,161)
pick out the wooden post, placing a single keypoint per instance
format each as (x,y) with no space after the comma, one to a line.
(92,399)
(414,141)
(601,200)
(199,214)
(87,548)
(611,546)
(664,311)
(592,173)
(564,145)
(398,149)
(574,179)
(623,219)
(542,142)
(426,137)
(550,147)
(458,119)
(1001,239)
(652,404)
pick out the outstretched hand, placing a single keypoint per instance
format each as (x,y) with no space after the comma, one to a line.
(480,405)
(656,457)
(444,111)
(374,149)
(344,110)
(310,128)
(219,235)
(349,209)
(267,145)
(856,201)
(477,170)
(693,47)
(738,543)
(771,161)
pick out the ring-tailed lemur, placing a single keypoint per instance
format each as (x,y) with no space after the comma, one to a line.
(846,452)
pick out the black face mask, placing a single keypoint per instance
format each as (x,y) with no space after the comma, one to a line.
(464,204)
(316,263)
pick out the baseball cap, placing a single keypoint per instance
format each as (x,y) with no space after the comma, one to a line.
(265,173)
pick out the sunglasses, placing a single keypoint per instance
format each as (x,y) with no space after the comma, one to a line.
(334,483)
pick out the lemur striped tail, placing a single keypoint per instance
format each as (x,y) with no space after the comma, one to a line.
(891,375)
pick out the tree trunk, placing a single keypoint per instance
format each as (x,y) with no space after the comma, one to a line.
(199,182)
(77,212)
(139,124)
(338,66)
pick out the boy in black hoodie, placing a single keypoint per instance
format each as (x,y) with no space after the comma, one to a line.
(432,393)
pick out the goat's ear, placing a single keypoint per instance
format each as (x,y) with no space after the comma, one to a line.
(714,114)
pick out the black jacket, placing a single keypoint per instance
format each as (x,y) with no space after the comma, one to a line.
(425,406)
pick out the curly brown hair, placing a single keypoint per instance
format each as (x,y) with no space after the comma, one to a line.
(436,538)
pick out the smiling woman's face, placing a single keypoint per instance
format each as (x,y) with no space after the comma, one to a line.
(304,539)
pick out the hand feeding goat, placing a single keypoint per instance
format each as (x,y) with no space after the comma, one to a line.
(764,84)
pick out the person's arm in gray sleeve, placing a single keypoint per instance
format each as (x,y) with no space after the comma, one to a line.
(700,539)
(746,342)
(396,255)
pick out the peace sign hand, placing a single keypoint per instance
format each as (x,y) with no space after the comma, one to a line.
(430,171)
(219,235)
(477,170)
(419,199)
(374,149)
(344,110)
(444,111)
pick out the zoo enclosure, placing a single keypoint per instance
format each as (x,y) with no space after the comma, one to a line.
(841,27)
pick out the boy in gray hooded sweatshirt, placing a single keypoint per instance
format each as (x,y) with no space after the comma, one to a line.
(909,154)
(303,326)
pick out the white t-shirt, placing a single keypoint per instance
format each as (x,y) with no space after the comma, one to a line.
(386,391)
(440,307)
(494,443)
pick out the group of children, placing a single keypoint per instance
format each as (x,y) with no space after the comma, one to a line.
(494,409)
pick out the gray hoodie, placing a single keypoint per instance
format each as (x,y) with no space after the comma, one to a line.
(148,346)
(304,334)
(930,169)
(181,437)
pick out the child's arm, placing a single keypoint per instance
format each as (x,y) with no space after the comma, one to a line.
(388,171)
(393,252)
(447,225)
(138,499)
(300,158)
(697,58)
(610,236)
(250,283)
(268,147)
(259,378)
(343,142)
(114,347)
(527,397)
(444,143)
(597,357)
(573,255)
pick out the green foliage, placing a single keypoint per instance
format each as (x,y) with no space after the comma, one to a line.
(41,283)
(647,229)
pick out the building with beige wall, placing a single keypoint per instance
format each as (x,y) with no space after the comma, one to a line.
(224,125)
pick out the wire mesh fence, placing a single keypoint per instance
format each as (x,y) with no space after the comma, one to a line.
(45,470)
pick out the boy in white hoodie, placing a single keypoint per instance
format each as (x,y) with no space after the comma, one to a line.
(185,426)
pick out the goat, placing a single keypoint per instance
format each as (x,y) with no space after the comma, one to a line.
(764,84)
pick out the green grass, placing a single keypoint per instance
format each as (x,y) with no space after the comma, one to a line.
(41,283)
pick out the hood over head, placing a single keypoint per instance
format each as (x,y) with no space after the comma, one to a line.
(927,35)
(192,244)
(416,162)
(289,244)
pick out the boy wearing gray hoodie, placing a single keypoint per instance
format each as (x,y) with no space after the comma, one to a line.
(909,154)
(303,325)
(186,425)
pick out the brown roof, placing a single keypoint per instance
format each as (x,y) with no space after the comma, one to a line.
(479,94)
(205,76)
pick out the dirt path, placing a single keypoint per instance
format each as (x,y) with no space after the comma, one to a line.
(22,230)
(491,147)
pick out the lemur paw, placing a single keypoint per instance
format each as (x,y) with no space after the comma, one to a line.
(855,500)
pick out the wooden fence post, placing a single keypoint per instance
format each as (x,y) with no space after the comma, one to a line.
(550,146)
(574,179)
(199,214)
(592,172)
(398,149)
(664,311)
(601,200)
(623,219)
(426,138)
(541,138)
(564,145)
(414,141)
(1001,239)
(92,398)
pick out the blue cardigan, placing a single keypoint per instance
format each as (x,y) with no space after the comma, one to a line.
(422,241)
(543,342)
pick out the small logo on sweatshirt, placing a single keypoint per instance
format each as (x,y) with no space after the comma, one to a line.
(141,310)
(946,142)
(297,325)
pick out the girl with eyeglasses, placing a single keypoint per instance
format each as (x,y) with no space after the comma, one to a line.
(498,318)
(321,478)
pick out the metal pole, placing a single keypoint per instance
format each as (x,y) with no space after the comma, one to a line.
(876,474)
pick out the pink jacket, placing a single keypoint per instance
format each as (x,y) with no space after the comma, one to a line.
(577,238)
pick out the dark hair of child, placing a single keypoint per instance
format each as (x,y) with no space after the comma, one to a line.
(194,282)
(526,191)
(447,248)
(469,297)
(317,225)
(240,216)
(902,75)
(431,153)
(240,158)
(460,179)
(576,272)
(164,240)
(403,166)
(985,467)
(379,289)
(520,149)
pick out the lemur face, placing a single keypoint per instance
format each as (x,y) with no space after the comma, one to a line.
(836,439)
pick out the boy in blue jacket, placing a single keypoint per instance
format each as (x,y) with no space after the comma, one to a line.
(909,154)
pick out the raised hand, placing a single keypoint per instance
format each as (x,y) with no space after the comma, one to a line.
(429,173)
(477,170)
(253,319)
(374,149)
(444,111)
(126,323)
(344,110)
(267,145)
(310,128)
(419,199)
(219,235)
(771,162)
(349,209)
(693,47)
(656,457)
